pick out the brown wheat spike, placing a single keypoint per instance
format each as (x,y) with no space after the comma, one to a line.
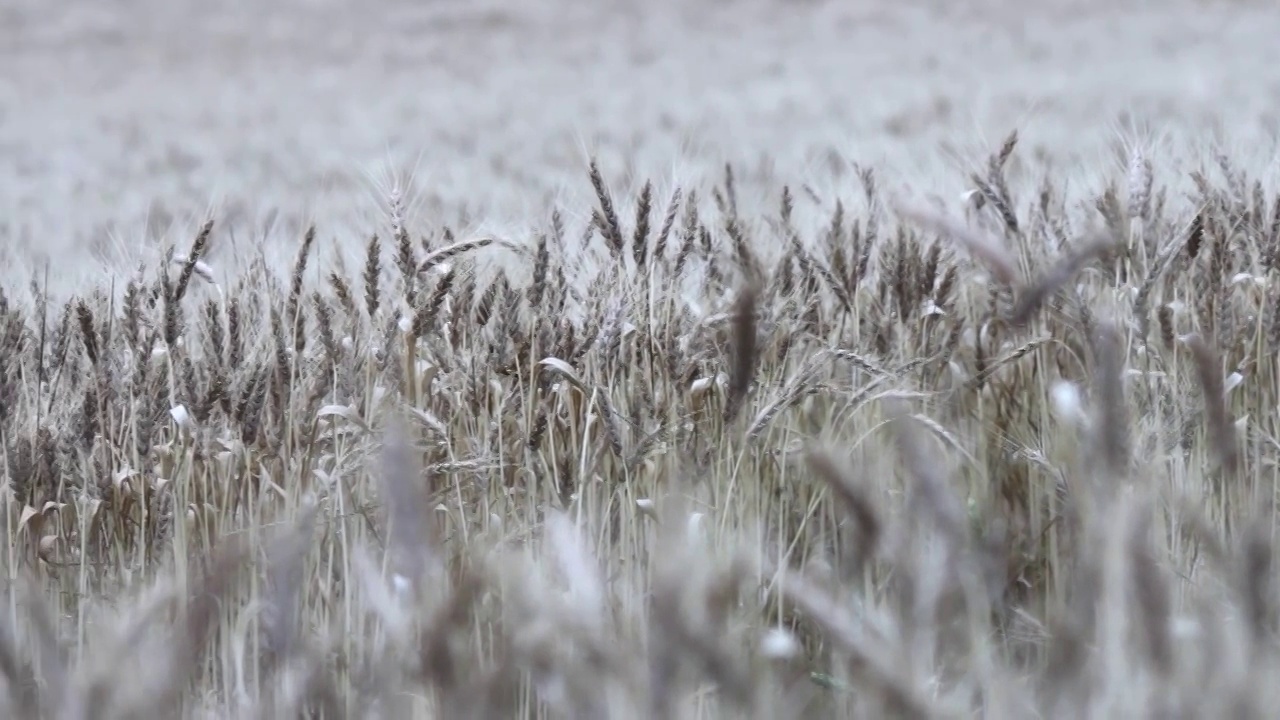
(1141,303)
(996,195)
(1001,159)
(730,191)
(87,332)
(294,315)
(324,324)
(1221,431)
(689,234)
(668,222)
(609,417)
(640,239)
(215,338)
(1108,382)
(488,299)
(944,297)
(193,259)
(1195,236)
(1153,597)
(538,284)
(283,367)
(372,274)
(451,251)
(342,291)
(990,368)
(1165,318)
(133,313)
(607,218)
(407,264)
(235,345)
(1256,582)
(745,348)
(746,258)
(173,321)
(256,397)
(425,317)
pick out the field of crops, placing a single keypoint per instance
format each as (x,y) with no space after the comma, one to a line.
(615,360)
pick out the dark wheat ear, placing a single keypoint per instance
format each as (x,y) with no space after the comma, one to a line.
(745,348)
(640,239)
(668,222)
(1221,431)
(1113,416)
(541,264)
(372,276)
(87,331)
(294,316)
(443,254)
(192,263)
(342,291)
(1152,591)
(1255,581)
(606,218)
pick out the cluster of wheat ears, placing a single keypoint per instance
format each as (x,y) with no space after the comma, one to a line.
(835,457)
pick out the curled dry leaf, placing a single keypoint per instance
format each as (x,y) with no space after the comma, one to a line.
(201,268)
(48,548)
(181,417)
(346,412)
(429,419)
(566,370)
(37,518)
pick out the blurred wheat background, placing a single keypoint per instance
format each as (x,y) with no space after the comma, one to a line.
(127,120)
(744,358)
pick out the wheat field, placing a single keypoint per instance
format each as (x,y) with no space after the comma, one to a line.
(604,360)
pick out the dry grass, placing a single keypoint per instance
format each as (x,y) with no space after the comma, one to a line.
(693,459)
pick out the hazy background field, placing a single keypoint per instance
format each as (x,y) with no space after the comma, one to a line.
(123,120)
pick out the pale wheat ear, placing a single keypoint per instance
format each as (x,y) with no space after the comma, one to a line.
(1034,295)
(1141,178)
(444,254)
